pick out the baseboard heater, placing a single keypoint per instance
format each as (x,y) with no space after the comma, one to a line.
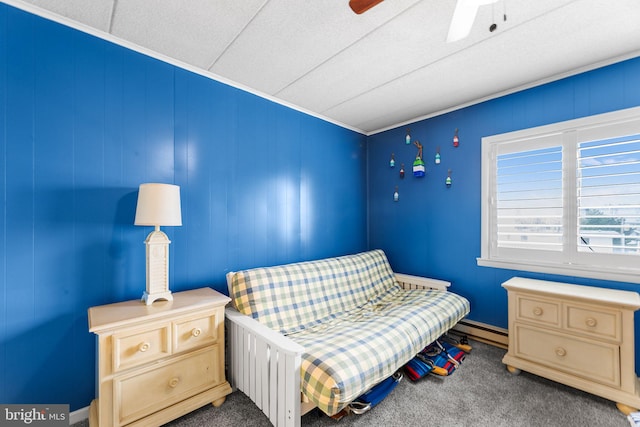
(484,333)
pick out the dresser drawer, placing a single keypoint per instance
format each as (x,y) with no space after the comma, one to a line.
(196,331)
(133,348)
(145,392)
(594,321)
(593,360)
(538,310)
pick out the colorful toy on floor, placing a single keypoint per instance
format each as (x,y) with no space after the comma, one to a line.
(374,396)
(442,357)
(420,366)
(459,341)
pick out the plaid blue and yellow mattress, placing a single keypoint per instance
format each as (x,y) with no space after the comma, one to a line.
(356,323)
(345,357)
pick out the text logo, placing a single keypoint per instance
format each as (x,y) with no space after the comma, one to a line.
(34,415)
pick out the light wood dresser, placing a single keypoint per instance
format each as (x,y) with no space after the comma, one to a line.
(158,362)
(580,336)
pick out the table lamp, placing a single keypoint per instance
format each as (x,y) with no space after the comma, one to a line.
(158,205)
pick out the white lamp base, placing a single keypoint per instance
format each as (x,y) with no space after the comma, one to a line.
(157,244)
(148,299)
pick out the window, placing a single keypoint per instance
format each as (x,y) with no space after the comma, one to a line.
(565,198)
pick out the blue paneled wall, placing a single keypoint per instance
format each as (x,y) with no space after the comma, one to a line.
(83,122)
(434,230)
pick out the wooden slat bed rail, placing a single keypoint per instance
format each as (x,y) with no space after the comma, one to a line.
(408,281)
(265,366)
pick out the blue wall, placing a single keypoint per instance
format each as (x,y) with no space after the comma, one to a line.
(83,122)
(434,230)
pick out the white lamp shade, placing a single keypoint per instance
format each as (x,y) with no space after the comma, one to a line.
(158,205)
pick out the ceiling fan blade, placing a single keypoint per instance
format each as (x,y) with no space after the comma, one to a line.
(463,17)
(361,6)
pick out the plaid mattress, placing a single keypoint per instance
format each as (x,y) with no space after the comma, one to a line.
(294,297)
(355,322)
(349,355)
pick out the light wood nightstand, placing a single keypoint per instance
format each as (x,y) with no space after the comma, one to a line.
(158,362)
(580,336)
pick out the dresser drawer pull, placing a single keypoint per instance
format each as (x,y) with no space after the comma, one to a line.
(538,311)
(561,352)
(144,347)
(195,332)
(174,382)
(591,322)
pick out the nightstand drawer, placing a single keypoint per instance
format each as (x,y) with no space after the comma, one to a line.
(133,348)
(593,360)
(196,331)
(143,393)
(594,321)
(538,310)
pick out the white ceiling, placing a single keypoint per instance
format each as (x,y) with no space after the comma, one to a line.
(384,68)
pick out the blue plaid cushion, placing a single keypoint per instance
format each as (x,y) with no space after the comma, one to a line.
(294,297)
(345,357)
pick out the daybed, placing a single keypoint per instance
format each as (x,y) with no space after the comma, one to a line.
(331,328)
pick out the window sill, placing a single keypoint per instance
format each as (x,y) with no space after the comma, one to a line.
(613,274)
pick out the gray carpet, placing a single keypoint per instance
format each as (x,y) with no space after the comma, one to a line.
(481,393)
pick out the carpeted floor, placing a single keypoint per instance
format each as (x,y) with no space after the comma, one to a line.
(481,393)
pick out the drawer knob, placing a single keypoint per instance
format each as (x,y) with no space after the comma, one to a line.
(196,332)
(173,382)
(538,311)
(591,322)
(144,347)
(561,352)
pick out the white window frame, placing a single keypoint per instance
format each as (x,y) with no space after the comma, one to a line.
(596,266)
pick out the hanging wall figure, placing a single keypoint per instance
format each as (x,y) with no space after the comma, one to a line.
(437,155)
(392,162)
(407,139)
(456,141)
(448,180)
(396,196)
(418,165)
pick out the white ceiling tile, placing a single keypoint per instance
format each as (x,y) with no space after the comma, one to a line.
(396,49)
(96,14)
(289,38)
(193,31)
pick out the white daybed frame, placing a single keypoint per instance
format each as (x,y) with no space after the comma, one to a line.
(265,365)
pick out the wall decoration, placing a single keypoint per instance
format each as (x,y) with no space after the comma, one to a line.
(402,171)
(437,160)
(448,180)
(396,196)
(418,165)
(392,162)
(407,138)
(456,141)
